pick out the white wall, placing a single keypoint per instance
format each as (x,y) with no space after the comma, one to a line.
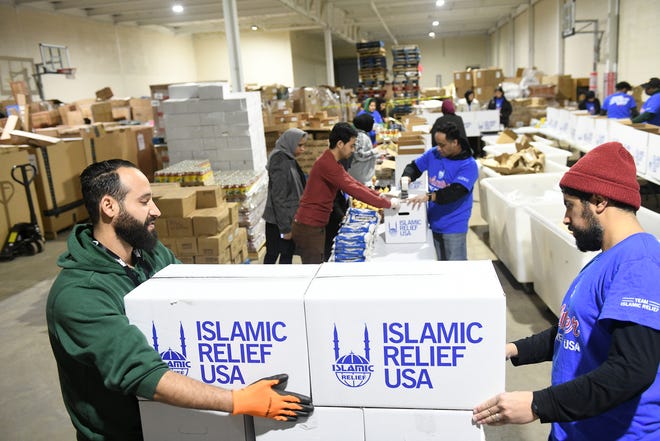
(639,56)
(127,59)
(308,52)
(266,57)
(579,48)
(521,40)
(546,36)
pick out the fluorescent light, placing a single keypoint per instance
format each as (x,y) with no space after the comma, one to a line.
(435,23)
(177,8)
(439,3)
(254,27)
(432,34)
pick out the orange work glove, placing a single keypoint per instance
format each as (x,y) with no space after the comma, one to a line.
(267,398)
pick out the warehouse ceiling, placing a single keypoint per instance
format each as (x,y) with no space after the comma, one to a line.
(350,20)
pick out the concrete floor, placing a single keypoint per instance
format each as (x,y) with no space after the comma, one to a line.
(31,403)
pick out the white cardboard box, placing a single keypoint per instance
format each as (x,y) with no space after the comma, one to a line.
(324,424)
(653,168)
(406,224)
(226,325)
(162,422)
(419,185)
(406,334)
(420,425)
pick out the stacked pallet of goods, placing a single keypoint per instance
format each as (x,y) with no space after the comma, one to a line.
(405,67)
(372,70)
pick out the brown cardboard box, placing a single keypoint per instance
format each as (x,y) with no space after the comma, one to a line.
(186,246)
(161,227)
(58,183)
(239,242)
(233,212)
(169,242)
(223,257)
(13,197)
(179,202)
(463,80)
(179,226)
(210,196)
(159,189)
(101,112)
(564,83)
(46,118)
(215,245)
(186,259)
(507,136)
(210,221)
(104,94)
(142,109)
(71,115)
(238,258)
(121,113)
(487,77)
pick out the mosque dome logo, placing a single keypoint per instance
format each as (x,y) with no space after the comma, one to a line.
(351,369)
(176,361)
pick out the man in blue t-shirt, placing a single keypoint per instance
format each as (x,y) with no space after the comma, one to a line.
(605,348)
(452,173)
(651,109)
(620,105)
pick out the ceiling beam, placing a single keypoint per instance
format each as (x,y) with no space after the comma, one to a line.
(139,6)
(327,17)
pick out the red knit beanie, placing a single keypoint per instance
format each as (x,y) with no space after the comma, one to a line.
(608,170)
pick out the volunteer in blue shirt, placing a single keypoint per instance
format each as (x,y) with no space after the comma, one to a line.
(590,103)
(499,102)
(651,109)
(605,348)
(452,173)
(620,105)
(369,106)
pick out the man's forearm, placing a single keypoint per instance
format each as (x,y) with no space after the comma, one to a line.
(179,390)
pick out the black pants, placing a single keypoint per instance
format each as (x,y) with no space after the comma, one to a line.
(276,246)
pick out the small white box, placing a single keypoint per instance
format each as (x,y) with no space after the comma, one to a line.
(420,425)
(324,424)
(227,330)
(183,91)
(601,131)
(470,123)
(419,185)
(374,342)
(637,143)
(181,120)
(213,91)
(488,120)
(406,224)
(162,422)
(172,106)
(508,220)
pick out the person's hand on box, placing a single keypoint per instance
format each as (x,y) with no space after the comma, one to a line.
(267,398)
(418,200)
(395,203)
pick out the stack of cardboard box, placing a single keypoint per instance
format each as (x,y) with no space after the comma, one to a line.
(199,226)
(206,121)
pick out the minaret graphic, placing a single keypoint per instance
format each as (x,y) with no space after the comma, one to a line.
(351,369)
(177,361)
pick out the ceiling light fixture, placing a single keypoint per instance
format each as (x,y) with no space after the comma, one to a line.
(439,3)
(435,23)
(432,34)
(254,27)
(177,8)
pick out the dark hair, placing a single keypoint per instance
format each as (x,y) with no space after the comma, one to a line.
(585,197)
(590,94)
(499,88)
(100,179)
(623,85)
(449,129)
(468,93)
(342,131)
(364,122)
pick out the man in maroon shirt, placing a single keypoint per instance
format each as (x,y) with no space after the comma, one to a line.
(326,177)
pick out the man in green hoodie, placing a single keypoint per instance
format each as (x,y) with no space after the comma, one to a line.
(104,362)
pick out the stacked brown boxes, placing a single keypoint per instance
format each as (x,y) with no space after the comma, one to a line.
(484,83)
(313,149)
(197,225)
(462,81)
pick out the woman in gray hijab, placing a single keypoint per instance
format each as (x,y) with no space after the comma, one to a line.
(286,182)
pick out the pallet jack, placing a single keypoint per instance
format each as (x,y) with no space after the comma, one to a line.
(24,239)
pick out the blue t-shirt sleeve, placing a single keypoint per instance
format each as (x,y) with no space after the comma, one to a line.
(422,162)
(652,105)
(632,104)
(606,103)
(467,175)
(634,294)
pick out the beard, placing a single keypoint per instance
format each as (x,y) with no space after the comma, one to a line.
(135,233)
(589,238)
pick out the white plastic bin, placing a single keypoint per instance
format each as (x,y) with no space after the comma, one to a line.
(508,220)
(556,261)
